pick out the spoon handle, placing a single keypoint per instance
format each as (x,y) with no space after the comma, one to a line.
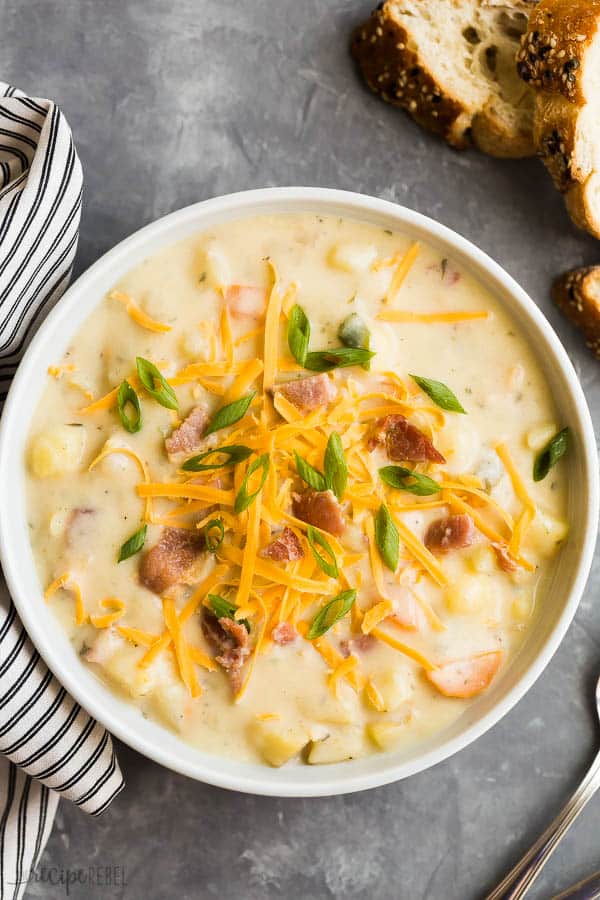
(515,885)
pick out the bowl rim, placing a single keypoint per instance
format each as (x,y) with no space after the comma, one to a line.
(239,205)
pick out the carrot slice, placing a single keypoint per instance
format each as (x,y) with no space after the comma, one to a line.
(467,677)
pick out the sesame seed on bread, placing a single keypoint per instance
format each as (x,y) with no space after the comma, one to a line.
(451,65)
(577,294)
(559,60)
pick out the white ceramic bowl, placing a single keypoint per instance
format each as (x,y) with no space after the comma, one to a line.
(124,720)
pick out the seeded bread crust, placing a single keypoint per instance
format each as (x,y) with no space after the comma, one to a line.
(577,294)
(393,67)
(397,74)
(553,59)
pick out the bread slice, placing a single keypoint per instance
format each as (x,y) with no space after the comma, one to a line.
(451,65)
(560,60)
(577,294)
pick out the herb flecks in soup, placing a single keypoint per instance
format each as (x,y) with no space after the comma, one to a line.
(297,488)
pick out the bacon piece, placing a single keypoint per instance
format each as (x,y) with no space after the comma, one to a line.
(505,562)
(450,533)
(170,560)
(284,548)
(464,678)
(228,639)
(321,509)
(246,301)
(309,393)
(403,441)
(284,633)
(188,437)
(362,642)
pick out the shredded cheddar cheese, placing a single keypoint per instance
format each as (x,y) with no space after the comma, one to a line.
(139,316)
(182,653)
(397,315)
(376,614)
(126,451)
(403,648)
(529,508)
(226,336)
(118,606)
(271,343)
(249,373)
(401,271)
(67,583)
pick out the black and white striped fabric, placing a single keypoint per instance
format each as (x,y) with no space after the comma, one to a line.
(48,745)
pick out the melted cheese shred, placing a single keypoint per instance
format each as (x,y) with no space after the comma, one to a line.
(450,317)
(67,582)
(131,454)
(375,615)
(271,342)
(529,508)
(331,656)
(420,553)
(406,649)
(118,611)
(403,267)
(182,653)
(139,316)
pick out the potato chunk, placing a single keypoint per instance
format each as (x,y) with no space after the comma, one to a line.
(471,594)
(57,451)
(390,689)
(346,744)
(537,438)
(387,734)
(171,703)
(276,741)
(118,662)
(330,710)
(217,267)
(545,534)
(352,257)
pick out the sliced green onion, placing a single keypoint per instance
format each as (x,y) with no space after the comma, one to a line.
(223,609)
(213,543)
(440,393)
(336,358)
(133,544)
(309,474)
(330,566)
(550,455)
(407,480)
(387,538)
(331,613)
(336,469)
(230,414)
(353,332)
(235,453)
(298,333)
(243,499)
(155,383)
(128,397)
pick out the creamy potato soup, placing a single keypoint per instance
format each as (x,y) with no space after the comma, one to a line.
(295,490)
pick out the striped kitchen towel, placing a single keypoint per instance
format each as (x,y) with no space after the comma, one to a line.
(48,744)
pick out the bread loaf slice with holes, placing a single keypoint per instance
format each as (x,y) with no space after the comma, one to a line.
(559,60)
(451,65)
(577,294)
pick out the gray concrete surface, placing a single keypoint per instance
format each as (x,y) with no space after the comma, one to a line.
(173,101)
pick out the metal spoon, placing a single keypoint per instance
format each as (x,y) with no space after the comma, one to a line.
(520,878)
